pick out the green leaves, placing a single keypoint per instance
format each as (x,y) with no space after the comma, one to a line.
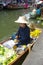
(6,55)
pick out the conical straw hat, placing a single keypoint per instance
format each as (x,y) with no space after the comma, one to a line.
(21,19)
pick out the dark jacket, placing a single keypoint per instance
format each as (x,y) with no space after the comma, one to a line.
(24,34)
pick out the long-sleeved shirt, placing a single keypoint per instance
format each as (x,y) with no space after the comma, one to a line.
(38,11)
(24,35)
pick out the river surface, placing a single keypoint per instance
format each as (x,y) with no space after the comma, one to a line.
(7,18)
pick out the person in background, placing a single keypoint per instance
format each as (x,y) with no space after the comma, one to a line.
(23,34)
(32,26)
(38,11)
(34,11)
(19,1)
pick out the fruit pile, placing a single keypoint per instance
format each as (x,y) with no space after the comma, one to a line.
(7,55)
(35,33)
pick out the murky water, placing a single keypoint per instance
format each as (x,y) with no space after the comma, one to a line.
(7,18)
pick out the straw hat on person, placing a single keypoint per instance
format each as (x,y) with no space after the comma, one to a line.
(21,19)
(32,26)
(34,10)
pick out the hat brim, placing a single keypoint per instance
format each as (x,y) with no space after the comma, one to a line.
(21,19)
(21,22)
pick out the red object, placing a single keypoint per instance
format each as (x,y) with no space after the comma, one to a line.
(25,5)
(41,0)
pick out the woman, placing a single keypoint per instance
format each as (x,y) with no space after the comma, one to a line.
(23,34)
(32,26)
(38,11)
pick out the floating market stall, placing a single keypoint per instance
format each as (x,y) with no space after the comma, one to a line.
(31,15)
(41,17)
(15,55)
(18,6)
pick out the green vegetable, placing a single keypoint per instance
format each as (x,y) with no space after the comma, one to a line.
(1,63)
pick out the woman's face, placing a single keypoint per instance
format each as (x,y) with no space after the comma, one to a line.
(22,25)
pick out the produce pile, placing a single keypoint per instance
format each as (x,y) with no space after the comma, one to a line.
(35,33)
(7,55)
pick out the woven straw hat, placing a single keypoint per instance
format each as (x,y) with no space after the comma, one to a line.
(21,19)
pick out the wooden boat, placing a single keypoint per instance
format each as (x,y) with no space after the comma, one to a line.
(17,6)
(20,58)
(1,6)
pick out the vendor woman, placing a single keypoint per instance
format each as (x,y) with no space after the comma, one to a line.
(23,34)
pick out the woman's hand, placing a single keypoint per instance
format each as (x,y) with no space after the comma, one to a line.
(17,37)
(16,41)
